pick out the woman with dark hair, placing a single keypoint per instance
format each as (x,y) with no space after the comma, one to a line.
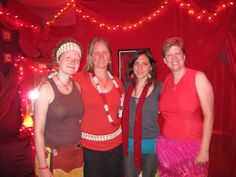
(139,123)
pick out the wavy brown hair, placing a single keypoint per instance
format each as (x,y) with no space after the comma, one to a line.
(135,56)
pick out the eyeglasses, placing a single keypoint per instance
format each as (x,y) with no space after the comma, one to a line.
(177,55)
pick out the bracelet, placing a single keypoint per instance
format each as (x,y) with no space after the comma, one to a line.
(42,168)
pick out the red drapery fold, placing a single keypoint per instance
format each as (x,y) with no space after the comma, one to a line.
(7,92)
(231,53)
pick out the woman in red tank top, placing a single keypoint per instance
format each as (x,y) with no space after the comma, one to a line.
(186,105)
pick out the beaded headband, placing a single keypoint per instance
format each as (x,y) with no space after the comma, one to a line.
(66,47)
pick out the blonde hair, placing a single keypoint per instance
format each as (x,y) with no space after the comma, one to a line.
(89,63)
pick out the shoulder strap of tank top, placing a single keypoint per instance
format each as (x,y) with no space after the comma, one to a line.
(74,88)
(54,86)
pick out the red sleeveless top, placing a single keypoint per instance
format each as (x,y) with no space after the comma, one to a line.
(95,120)
(180,108)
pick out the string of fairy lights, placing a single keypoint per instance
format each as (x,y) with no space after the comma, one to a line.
(15,21)
(26,126)
(198,14)
(23,68)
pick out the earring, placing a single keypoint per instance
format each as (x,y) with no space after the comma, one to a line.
(149,76)
(164,61)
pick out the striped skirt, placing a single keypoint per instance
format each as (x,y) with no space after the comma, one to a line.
(177,158)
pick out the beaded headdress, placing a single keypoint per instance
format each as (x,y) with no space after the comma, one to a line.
(66,47)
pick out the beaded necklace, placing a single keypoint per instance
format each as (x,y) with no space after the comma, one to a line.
(103,97)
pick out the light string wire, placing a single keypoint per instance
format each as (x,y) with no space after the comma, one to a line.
(193,11)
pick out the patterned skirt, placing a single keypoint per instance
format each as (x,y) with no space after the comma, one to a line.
(63,162)
(177,158)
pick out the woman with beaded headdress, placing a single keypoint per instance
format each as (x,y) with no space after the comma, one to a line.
(58,111)
(102,95)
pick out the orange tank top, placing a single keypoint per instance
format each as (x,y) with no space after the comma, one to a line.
(180,108)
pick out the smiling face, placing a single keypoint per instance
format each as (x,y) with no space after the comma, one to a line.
(69,62)
(100,56)
(142,67)
(174,58)
(173,53)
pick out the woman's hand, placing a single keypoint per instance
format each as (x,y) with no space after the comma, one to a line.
(202,157)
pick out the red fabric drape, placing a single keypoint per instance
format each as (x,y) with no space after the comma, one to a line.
(17,157)
(231,53)
(7,92)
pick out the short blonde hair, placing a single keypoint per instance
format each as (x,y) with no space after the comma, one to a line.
(174,41)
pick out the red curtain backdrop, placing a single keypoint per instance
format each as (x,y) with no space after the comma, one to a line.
(210,44)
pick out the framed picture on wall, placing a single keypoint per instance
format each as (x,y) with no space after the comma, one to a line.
(124,55)
(7,58)
(6,35)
